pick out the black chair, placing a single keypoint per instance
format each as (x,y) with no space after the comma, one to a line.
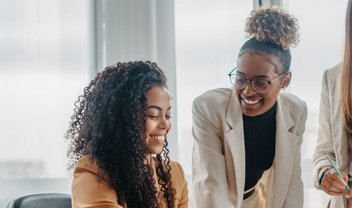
(45,200)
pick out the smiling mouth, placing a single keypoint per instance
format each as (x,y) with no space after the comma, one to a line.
(250,102)
(159,138)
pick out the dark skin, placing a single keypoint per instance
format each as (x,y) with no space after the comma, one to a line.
(262,66)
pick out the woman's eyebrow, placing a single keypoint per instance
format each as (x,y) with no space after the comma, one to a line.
(259,76)
(156,107)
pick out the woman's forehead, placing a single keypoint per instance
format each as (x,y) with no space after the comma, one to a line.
(256,65)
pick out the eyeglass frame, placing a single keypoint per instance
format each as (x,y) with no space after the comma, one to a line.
(230,74)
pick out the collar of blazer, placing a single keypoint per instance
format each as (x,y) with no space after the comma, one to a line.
(286,149)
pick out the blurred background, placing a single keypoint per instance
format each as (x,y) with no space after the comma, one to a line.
(51,49)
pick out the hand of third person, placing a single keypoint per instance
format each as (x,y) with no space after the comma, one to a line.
(333,185)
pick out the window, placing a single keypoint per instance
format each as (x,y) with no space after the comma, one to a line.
(44,65)
(208,37)
(321,47)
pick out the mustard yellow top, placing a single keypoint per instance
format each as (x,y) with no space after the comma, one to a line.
(90,192)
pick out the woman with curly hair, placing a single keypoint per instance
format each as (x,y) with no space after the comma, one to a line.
(247,138)
(118,141)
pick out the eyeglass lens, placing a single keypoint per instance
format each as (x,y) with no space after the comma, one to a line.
(259,85)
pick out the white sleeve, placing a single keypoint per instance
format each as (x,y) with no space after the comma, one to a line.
(325,144)
(210,187)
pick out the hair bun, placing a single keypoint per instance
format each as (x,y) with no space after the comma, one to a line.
(273,25)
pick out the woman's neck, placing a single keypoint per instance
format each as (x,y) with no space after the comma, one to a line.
(148,159)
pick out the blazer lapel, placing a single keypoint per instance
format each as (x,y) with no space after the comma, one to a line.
(234,140)
(286,145)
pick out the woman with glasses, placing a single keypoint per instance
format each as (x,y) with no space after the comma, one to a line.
(247,138)
(335,128)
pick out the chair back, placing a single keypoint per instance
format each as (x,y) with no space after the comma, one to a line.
(44,200)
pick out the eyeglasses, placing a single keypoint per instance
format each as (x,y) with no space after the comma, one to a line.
(260,85)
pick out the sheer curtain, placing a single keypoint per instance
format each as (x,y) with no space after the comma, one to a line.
(44,65)
(208,37)
(49,51)
(139,30)
(321,47)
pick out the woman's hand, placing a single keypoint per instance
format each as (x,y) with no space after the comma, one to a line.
(333,185)
(348,195)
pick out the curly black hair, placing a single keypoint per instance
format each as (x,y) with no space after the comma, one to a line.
(273,31)
(108,124)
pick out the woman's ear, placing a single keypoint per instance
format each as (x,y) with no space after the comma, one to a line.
(286,80)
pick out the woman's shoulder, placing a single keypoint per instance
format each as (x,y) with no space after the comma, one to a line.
(86,170)
(294,106)
(86,164)
(331,78)
(175,165)
(215,94)
(212,99)
(178,177)
(88,188)
(292,100)
(333,71)
(176,171)
(179,183)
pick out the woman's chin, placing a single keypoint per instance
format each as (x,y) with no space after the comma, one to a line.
(155,150)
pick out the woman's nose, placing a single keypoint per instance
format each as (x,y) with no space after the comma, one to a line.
(248,90)
(164,123)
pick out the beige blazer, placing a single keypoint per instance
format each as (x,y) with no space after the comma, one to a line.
(332,138)
(88,191)
(218,165)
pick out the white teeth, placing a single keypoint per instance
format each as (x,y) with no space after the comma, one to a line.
(251,102)
(160,139)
